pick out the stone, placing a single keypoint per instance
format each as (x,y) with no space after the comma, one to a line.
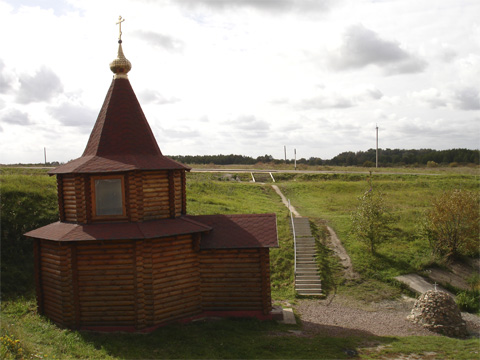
(438,312)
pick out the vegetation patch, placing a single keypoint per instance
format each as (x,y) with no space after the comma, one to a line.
(29,201)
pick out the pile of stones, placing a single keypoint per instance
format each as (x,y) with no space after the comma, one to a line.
(438,312)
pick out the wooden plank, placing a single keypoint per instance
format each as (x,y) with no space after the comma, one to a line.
(110,277)
(75,287)
(174,281)
(99,302)
(37,253)
(171,193)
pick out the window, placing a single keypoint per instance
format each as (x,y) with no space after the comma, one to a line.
(108,196)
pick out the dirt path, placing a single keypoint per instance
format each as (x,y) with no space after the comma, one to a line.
(342,316)
(285,201)
(336,244)
(339,250)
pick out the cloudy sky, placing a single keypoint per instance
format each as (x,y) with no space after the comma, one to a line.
(243,76)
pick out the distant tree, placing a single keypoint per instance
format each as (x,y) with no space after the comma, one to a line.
(371,220)
(265,159)
(452,225)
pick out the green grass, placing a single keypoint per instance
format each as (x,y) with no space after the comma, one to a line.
(30,194)
(216,339)
(334,197)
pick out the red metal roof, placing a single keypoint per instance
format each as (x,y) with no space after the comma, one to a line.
(239,231)
(219,231)
(61,231)
(121,138)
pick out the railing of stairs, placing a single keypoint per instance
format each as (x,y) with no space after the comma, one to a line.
(294,242)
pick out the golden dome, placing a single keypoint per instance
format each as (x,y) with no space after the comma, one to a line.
(120,66)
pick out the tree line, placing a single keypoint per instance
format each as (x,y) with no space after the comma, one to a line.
(386,157)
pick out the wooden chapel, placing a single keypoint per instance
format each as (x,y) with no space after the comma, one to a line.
(124,255)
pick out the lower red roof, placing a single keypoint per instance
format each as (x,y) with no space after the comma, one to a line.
(218,231)
(239,231)
(61,231)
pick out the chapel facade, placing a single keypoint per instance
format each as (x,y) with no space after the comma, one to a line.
(125,255)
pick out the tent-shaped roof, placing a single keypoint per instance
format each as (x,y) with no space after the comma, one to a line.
(121,139)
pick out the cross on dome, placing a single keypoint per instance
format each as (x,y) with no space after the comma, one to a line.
(119,23)
(120,66)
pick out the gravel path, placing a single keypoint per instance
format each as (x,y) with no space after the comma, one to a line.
(349,318)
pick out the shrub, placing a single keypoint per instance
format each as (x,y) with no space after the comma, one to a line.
(452,224)
(469,301)
(371,220)
(28,202)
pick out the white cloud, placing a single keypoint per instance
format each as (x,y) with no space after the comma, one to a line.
(6,79)
(166,42)
(461,98)
(362,47)
(467,98)
(42,86)
(74,115)
(264,5)
(15,117)
(148,96)
(340,99)
(242,76)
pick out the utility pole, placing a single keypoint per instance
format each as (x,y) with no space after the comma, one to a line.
(45,155)
(376,163)
(295,154)
(285,152)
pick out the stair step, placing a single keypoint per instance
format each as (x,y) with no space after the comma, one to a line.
(310,293)
(304,265)
(307,282)
(307,272)
(308,288)
(312,277)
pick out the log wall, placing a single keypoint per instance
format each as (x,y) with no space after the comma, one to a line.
(118,283)
(106,283)
(149,195)
(176,279)
(234,280)
(56,297)
(72,198)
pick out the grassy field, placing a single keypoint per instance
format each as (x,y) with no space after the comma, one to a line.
(30,194)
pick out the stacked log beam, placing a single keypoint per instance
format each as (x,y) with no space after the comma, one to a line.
(156,200)
(231,280)
(176,278)
(68,194)
(57,289)
(106,283)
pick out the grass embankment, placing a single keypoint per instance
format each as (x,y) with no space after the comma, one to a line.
(334,197)
(30,194)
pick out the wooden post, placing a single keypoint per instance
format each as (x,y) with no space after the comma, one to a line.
(38,274)
(61,207)
(76,298)
(265,273)
(184,192)
(171,193)
(139,286)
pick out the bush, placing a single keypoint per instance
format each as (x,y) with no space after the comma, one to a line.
(469,301)
(371,220)
(28,202)
(452,225)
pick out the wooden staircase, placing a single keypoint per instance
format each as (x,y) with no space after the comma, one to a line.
(307,279)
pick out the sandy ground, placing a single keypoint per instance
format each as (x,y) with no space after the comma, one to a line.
(347,317)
